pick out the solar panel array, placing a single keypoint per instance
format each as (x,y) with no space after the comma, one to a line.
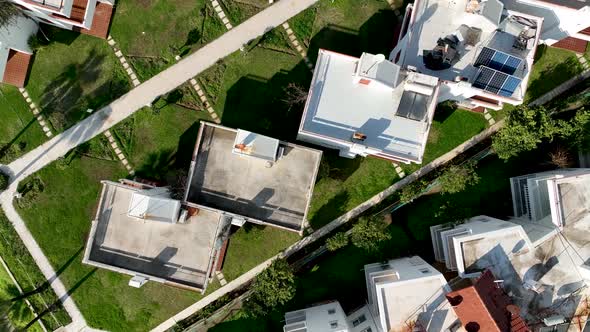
(496,82)
(497,60)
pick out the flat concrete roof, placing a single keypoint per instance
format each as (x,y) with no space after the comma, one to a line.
(338,106)
(179,253)
(436,19)
(277,193)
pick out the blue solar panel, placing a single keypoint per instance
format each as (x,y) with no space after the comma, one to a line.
(510,86)
(511,65)
(496,82)
(497,60)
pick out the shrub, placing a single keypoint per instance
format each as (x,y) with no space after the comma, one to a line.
(337,241)
(273,287)
(412,191)
(368,234)
(457,177)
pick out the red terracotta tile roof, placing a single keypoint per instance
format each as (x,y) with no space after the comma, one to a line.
(585,31)
(78,10)
(572,44)
(100,22)
(17,68)
(484,306)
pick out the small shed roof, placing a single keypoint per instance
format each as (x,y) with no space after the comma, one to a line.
(256,145)
(144,206)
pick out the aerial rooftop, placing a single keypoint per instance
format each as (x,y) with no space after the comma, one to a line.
(368,106)
(543,278)
(252,176)
(483,47)
(140,230)
(408,290)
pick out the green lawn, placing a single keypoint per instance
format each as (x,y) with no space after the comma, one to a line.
(20,132)
(30,278)
(552,67)
(104,297)
(239,11)
(73,73)
(152,32)
(19,313)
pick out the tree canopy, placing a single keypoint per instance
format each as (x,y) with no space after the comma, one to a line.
(368,234)
(337,241)
(457,177)
(8,12)
(526,127)
(273,287)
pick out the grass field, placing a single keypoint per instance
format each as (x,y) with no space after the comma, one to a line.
(152,32)
(104,297)
(72,74)
(20,132)
(552,67)
(26,272)
(19,313)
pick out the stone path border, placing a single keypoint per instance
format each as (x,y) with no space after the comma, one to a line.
(488,117)
(221,14)
(400,172)
(113,44)
(118,152)
(40,117)
(20,291)
(293,40)
(221,278)
(204,100)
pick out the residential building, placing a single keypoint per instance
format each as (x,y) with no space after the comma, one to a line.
(369,107)
(482,53)
(90,17)
(540,256)
(482,305)
(553,198)
(236,176)
(566,23)
(139,230)
(405,294)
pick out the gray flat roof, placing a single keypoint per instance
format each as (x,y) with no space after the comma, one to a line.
(176,252)
(338,107)
(275,193)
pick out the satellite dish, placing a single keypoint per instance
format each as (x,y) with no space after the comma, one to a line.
(379,57)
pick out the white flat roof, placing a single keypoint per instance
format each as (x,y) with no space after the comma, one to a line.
(436,19)
(338,107)
(408,290)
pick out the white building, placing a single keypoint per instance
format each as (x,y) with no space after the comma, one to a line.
(90,17)
(566,22)
(482,53)
(369,106)
(558,197)
(405,294)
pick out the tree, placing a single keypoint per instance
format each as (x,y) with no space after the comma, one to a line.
(295,95)
(3,181)
(273,287)
(337,241)
(457,177)
(8,12)
(368,234)
(412,191)
(527,126)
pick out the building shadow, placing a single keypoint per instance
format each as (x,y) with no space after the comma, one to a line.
(157,165)
(333,209)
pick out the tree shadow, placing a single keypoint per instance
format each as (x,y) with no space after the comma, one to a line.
(157,165)
(186,147)
(56,35)
(333,209)
(256,104)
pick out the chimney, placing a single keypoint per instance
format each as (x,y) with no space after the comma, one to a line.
(240,146)
(359,136)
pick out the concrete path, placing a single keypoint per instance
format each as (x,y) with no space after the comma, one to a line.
(160,84)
